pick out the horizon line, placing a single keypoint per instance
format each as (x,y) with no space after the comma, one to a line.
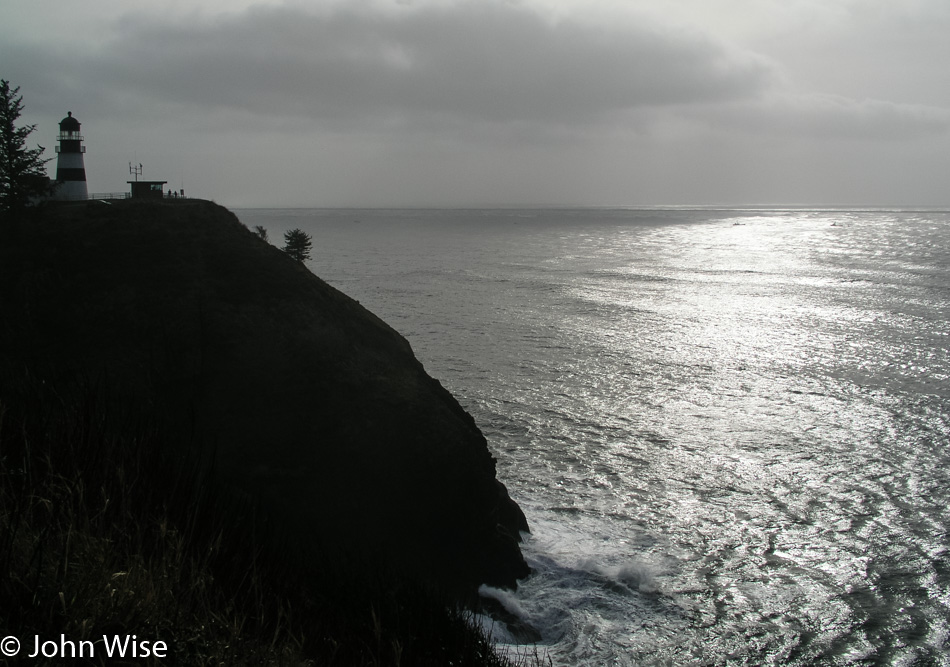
(644,207)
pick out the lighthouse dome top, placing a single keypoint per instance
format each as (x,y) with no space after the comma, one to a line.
(69,124)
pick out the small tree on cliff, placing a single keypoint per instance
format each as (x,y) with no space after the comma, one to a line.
(22,170)
(297,245)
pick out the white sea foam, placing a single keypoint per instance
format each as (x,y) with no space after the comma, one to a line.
(507,599)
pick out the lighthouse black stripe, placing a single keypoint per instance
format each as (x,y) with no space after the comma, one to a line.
(68,174)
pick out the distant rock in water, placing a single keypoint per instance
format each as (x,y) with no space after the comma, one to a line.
(310,402)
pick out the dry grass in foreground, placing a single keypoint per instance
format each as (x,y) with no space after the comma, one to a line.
(109,527)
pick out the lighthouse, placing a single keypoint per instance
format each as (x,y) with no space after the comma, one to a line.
(70,170)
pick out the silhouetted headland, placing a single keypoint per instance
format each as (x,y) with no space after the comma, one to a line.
(305,401)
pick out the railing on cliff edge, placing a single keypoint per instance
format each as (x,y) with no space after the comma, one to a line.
(116,195)
(109,195)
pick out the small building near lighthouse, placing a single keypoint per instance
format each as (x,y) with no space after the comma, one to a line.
(147,189)
(70,170)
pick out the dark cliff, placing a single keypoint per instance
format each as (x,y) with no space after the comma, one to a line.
(305,400)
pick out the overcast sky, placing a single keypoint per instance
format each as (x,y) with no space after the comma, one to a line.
(497,102)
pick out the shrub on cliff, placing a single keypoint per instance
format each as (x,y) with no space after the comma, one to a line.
(297,245)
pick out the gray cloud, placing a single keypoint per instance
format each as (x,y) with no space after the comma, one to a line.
(481,61)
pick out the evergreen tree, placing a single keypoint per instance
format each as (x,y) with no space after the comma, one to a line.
(297,245)
(22,170)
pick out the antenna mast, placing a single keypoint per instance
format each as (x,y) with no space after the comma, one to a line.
(135,170)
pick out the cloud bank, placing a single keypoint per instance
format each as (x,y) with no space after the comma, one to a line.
(471,101)
(475,61)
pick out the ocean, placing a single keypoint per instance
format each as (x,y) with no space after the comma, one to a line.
(729,429)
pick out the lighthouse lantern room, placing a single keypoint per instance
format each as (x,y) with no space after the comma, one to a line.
(70,170)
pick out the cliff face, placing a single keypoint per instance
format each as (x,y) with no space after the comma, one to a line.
(308,401)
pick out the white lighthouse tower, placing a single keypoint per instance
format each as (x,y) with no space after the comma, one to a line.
(70,170)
